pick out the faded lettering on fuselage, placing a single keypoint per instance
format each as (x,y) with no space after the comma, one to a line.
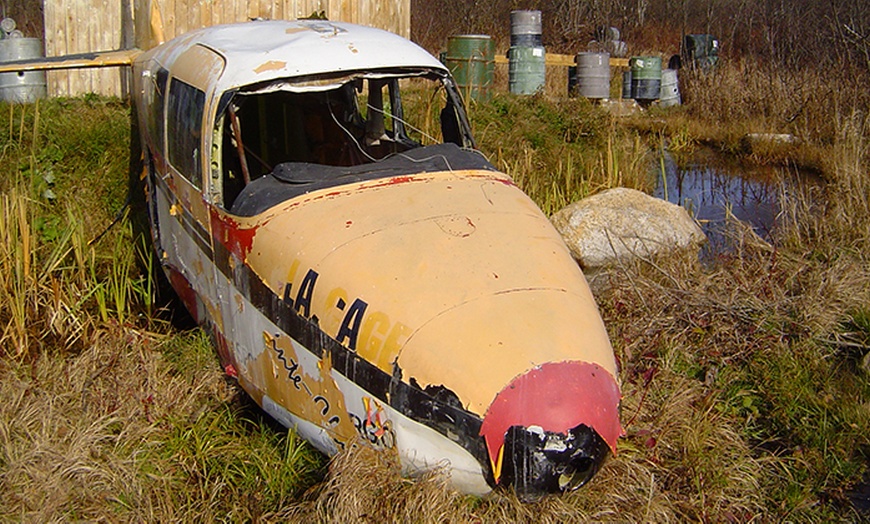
(374,427)
(310,394)
(350,321)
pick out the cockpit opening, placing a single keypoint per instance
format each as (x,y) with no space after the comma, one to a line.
(348,121)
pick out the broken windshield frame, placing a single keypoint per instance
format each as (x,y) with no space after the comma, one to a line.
(342,119)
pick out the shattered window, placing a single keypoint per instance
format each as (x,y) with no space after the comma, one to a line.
(183,128)
(347,121)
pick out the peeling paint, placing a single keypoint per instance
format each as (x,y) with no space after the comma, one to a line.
(271,65)
(237,238)
(555,397)
(311,394)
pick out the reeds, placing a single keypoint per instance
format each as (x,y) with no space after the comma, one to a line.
(742,397)
(563,151)
(52,281)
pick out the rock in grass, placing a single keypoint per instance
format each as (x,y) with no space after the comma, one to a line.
(622,223)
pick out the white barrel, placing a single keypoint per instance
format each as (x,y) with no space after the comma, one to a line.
(670,95)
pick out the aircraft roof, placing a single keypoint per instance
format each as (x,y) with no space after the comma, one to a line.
(263,50)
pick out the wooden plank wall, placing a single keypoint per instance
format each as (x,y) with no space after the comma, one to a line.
(80,26)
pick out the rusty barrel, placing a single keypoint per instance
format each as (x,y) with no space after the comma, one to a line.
(471,61)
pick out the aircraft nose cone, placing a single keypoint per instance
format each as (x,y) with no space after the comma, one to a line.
(551,428)
(538,462)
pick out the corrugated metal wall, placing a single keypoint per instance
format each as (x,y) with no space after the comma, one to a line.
(80,26)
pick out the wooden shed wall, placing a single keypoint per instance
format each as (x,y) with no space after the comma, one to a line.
(79,26)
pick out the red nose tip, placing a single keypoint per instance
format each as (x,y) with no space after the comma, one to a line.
(556,397)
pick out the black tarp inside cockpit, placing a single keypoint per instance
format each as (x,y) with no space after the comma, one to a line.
(291,179)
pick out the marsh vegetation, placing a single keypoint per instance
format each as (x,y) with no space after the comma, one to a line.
(744,393)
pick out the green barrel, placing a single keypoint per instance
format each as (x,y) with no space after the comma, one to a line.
(471,60)
(526,70)
(646,77)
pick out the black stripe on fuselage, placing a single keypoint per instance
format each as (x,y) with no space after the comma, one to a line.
(439,414)
(191,226)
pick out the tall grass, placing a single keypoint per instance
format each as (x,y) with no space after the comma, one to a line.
(565,149)
(118,432)
(53,280)
(742,394)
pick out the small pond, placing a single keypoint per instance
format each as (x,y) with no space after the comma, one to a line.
(709,183)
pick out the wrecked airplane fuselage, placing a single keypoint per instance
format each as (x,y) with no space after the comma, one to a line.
(363,275)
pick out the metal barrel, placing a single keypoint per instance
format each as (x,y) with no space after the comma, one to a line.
(526,64)
(526,70)
(626,83)
(526,28)
(593,75)
(471,60)
(572,80)
(617,48)
(646,77)
(670,89)
(22,87)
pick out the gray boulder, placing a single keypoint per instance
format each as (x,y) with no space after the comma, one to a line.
(619,224)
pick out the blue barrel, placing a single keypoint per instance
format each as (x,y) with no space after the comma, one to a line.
(22,87)
(626,84)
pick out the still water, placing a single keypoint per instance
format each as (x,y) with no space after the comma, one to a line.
(708,185)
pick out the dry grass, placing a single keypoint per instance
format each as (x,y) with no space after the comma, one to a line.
(692,465)
(74,431)
(742,397)
(125,431)
(565,150)
(818,107)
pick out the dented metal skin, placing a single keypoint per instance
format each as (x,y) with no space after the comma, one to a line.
(436,312)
